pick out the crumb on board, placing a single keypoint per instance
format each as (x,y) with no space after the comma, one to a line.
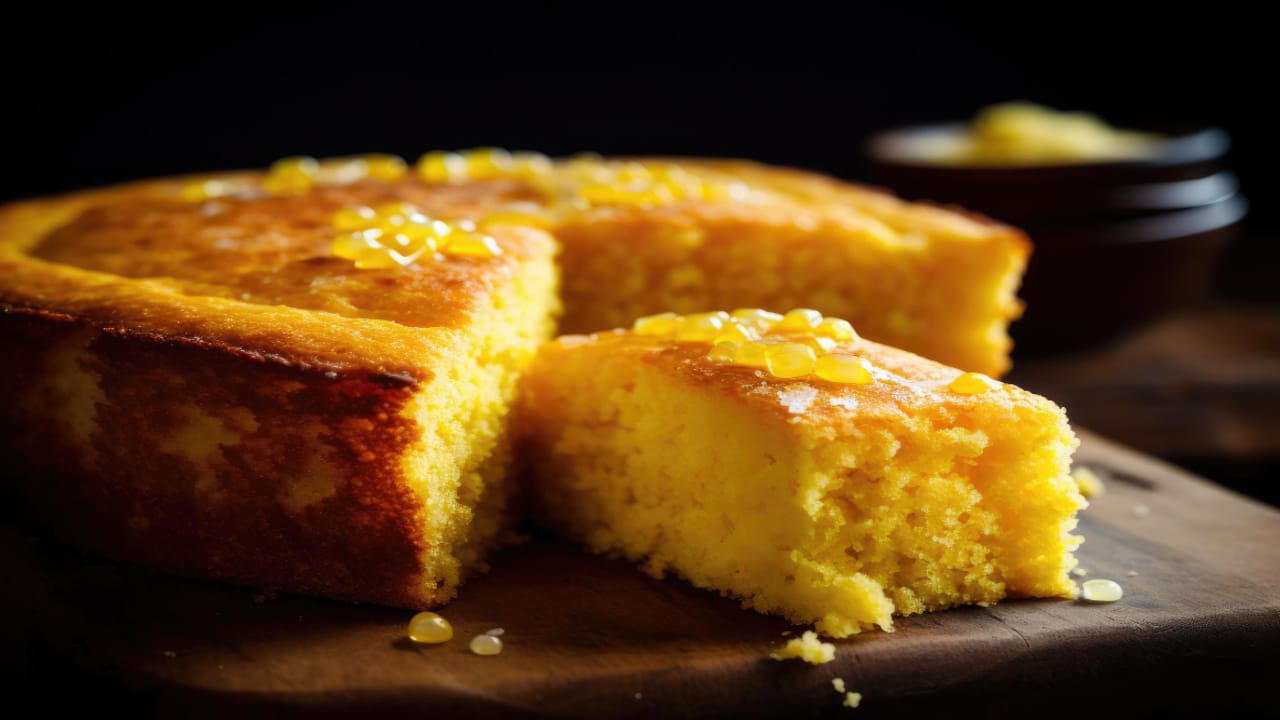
(1141,510)
(1102,591)
(486,645)
(1132,573)
(1079,571)
(1088,482)
(808,648)
(838,684)
(852,699)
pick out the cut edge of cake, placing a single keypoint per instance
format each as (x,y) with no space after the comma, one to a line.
(833,505)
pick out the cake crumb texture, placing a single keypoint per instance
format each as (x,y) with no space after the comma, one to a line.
(890,497)
(808,648)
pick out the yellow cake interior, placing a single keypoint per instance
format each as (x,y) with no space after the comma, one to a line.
(840,506)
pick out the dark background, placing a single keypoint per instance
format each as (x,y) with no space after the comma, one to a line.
(100,99)
(95,99)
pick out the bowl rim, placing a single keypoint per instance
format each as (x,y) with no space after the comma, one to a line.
(1163,227)
(1199,145)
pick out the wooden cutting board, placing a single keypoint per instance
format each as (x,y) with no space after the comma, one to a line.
(1198,629)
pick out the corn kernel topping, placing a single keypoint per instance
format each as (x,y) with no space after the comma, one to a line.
(481,163)
(800,319)
(752,354)
(972,383)
(291,175)
(198,190)
(703,326)
(725,351)
(790,360)
(836,329)
(756,318)
(848,369)
(660,324)
(430,628)
(397,234)
(751,337)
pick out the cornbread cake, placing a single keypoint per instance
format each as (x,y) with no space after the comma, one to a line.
(301,379)
(649,235)
(248,385)
(784,460)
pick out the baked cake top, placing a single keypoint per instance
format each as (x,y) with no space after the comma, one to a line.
(252,245)
(800,367)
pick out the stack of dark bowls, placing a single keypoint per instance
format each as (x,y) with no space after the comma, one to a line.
(1117,243)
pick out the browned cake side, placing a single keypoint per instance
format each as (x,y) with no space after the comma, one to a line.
(203,388)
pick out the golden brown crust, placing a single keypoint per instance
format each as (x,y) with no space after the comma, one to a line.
(904,383)
(238,516)
(250,277)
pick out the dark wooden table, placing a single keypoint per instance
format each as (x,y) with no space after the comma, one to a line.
(1200,388)
(1198,630)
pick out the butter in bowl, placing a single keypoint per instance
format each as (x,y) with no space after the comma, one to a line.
(1127,224)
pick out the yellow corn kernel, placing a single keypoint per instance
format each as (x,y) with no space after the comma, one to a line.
(471,244)
(205,189)
(586,158)
(657,325)
(440,167)
(820,345)
(377,259)
(789,360)
(394,209)
(972,383)
(530,163)
(405,255)
(355,218)
(353,245)
(836,329)
(428,627)
(291,175)
(761,320)
(724,351)
(420,226)
(487,162)
(701,326)
(736,332)
(800,319)
(381,166)
(341,170)
(752,354)
(847,369)
(1088,482)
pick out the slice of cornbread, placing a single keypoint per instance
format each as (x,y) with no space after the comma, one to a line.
(739,234)
(203,386)
(813,474)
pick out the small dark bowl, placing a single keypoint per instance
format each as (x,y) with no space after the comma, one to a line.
(1117,243)
(1090,282)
